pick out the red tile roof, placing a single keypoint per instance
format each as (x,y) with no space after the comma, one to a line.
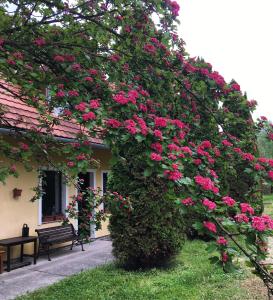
(20,115)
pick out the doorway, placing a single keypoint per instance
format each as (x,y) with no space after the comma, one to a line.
(86,180)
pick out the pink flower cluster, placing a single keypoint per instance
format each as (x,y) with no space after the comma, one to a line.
(157,147)
(262,223)
(245,207)
(160,122)
(155,156)
(130,125)
(173,175)
(227,143)
(113,123)
(229,201)
(88,116)
(270,174)
(222,241)
(187,201)
(149,48)
(123,99)
(241,218)
(209,204)
(206,184)
(210,226)
(81,106)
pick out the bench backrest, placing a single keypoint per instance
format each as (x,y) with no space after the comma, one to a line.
(56,231)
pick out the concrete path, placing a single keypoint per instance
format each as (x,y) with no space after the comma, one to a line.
(64,263)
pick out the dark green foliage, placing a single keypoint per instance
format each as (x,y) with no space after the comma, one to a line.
(152,233)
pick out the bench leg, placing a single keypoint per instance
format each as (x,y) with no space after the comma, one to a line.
(1,263)
(48,253)
(72,245)
(81,245)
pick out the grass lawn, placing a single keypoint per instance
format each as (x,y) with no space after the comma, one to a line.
(192,278)
(268,204)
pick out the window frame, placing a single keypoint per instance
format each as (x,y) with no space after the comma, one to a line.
(64,196)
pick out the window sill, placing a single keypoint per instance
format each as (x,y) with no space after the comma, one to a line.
(53,219)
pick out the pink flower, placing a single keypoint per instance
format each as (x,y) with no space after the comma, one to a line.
(175,8)
(70,164)
(186,150)
(160,122)
(262,160)
(130,125)
(270,174)
(155,156)
(114,58)
(236,87)
(229,201)
(94,104)
(24,146)
(76,67)
(206,144)
(121,98)
(60,94)
(149,48)
(59,58)
(67,113)
(113,123)
(213,174)
(227,143)
(245,207)
(88,79)
(18,55)
(206,184)
(222,241)
(224,257)
(93,72)
(173,147)
(209,204)
(258,167)
(210,226)
(241,218)
(81,107)
(73,93)
(88,116)
(248,156)
(258,223)
(158,133)
(187,201)
(39,42)
(81,156)
(157,147)
(197,162)
(173,175)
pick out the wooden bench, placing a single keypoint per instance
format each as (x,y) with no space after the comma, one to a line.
(2,261)
(57,235)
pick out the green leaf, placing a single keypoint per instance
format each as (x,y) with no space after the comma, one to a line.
(147,172)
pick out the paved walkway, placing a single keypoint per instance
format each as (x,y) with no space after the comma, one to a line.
(64,263)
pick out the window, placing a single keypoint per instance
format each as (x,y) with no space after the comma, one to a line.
(53,196)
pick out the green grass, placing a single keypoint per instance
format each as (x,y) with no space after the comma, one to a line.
(268,198)
(268,204)
(193,278)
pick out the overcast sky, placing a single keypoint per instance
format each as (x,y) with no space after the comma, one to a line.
(236,37)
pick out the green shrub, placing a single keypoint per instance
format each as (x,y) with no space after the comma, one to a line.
(152,233)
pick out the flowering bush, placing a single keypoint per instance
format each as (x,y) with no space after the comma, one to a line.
(85,207)
(183,137)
